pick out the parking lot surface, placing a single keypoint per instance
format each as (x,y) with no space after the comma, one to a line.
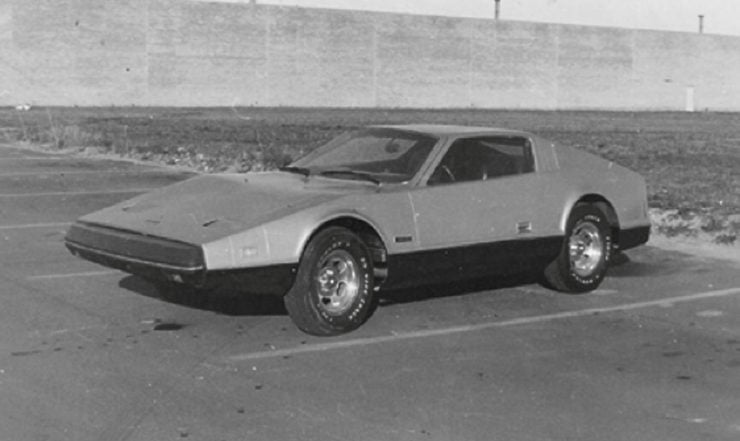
(89,353)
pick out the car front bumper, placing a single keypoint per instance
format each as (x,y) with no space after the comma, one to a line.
(160,259)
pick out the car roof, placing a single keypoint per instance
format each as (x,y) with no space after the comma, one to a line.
(441,130)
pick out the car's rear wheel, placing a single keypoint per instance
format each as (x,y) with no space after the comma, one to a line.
(582,263)
(333,290)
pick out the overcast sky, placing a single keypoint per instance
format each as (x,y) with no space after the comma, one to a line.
(720,16)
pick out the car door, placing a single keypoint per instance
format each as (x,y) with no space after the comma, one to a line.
(482,195)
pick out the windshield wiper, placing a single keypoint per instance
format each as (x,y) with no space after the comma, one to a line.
(350,173)
(300,170)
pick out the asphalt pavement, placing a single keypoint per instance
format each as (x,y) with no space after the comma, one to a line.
(89,353)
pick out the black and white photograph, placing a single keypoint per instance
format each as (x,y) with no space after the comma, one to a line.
(369,220)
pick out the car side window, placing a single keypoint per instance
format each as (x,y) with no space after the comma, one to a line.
(483,158)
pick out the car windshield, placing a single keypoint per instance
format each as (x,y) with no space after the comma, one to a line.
(380,155)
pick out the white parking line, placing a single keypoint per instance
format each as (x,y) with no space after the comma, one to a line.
(73,275)
(73,193)
(40,225)
(360,342)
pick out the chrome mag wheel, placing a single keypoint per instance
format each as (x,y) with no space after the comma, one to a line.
(584,256)
(338,282)
(333,290)
(586,249)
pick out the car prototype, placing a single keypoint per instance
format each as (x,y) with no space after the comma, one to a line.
(383,207)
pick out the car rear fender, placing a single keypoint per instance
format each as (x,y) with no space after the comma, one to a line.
(599,201)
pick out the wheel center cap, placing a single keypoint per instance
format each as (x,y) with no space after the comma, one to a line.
(328,279)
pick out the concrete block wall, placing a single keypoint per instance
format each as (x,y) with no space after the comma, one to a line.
(194,53)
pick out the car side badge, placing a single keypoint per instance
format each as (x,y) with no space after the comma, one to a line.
(524,227)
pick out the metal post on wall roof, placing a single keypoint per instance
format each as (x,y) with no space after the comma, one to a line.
(701,24)
(497,12)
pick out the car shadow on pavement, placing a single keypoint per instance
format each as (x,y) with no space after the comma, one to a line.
(222,303)
(252,305)
(453,289)
(649,261)
(247,305)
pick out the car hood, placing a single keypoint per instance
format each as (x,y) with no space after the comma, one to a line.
(210,207)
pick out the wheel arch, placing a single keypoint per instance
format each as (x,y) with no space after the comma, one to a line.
(604,205)
(367,232)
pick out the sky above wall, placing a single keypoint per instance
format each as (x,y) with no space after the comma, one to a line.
(720,16)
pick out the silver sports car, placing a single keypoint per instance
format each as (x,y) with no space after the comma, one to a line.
(383,207)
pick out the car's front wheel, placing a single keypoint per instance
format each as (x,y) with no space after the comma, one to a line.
(582,263)
(333,290)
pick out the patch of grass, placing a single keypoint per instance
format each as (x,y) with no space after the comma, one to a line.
(725,239)
(713,224)
(677,229)
(691,161)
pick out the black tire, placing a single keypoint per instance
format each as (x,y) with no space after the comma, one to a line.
(333,290)
(584,257)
